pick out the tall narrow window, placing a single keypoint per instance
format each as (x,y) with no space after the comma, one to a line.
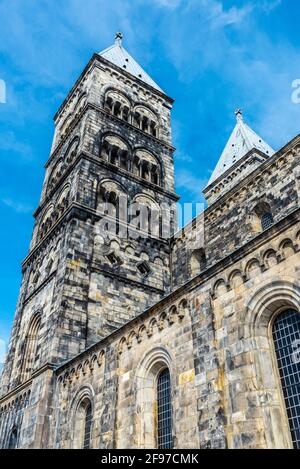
(83,425)
(88,426)
(13,439)
(286,335)
(164,411)
(266,221)
(31,349)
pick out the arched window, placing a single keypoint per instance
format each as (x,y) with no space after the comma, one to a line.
(198,261)
(13,439)
(83,425)
(145,120)
(31,346)
(115,151)
(260,217)
(286,336)
(88,426)
(164,411)
(147,166)
(153,427)
(145,215)
(266,221)
(117,104)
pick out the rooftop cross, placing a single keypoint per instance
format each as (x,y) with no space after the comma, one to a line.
(118,38)
(239,115)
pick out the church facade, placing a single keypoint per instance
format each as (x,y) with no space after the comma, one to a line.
(130,334)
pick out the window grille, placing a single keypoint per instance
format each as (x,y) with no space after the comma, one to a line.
(88,426)
(266,221)
(286,335)
(164,411)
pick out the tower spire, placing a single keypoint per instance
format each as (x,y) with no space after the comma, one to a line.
(242,140)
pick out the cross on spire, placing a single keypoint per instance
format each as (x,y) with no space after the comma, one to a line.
(118,38)
(239,115)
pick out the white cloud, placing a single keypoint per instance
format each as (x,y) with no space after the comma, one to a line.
(168,3)
(190,183)
(180,156)
(18,207)
(269,5)
(9,142)
(219,17)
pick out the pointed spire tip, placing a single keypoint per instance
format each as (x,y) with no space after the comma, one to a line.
(239,115)
(118,38)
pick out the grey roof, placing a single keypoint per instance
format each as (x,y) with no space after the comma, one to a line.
(120,57)
(242,140)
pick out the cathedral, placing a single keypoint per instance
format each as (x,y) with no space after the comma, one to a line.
(130,333)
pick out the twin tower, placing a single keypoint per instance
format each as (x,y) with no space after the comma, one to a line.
(112,145)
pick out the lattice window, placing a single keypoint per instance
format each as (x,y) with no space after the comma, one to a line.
(164,411)
(266,221)
(88,426)
(286,335)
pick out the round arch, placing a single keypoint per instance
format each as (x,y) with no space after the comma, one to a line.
(257,322)
(151,365)
(84,397)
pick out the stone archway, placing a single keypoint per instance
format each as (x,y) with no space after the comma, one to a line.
(146,377)
(261,311)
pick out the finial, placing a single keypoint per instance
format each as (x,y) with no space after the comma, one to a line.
(118,38)
(239,115)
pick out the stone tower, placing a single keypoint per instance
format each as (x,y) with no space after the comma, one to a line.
(111,149)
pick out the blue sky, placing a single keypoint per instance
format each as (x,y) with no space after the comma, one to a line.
(212,56)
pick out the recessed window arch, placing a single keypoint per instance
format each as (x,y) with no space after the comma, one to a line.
(80,103)
(112,200)
(65,125)
(261,217)
(198,261)
(72,150)
(62,201)
(286,337)
(56,174)
(31,346)
(13,439)
(145,120)
(82,419)
(145,215)
(117,104)
(154,391)
(147,166)
(46,222)
(115,151)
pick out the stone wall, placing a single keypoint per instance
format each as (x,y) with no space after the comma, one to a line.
(230,223)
